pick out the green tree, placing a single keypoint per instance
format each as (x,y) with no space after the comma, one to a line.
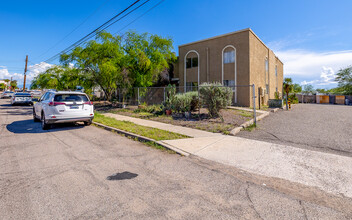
(322,90)
(7,82)
(100,61)
(308,89)
(297,88)
(146,55)
(13,84)
(2,86)
(50,79)
(337,91)
(344,78)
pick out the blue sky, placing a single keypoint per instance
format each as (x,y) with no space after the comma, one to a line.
(313,38)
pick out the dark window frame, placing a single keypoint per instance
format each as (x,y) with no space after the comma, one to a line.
(191,62)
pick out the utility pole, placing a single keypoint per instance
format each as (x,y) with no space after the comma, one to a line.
(25,70)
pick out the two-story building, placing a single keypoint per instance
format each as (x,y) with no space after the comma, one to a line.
(235,59)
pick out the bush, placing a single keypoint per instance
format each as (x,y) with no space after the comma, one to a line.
(195,101)
(215,97)
(293,98)
(154,109)
(182,102)
(170,95)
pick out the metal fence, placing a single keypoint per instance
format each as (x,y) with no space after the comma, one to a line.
(158,95)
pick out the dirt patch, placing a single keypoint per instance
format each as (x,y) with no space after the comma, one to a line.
(230,119)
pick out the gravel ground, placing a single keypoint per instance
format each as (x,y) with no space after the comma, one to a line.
(319,127)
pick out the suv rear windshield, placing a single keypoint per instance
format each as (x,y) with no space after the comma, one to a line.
(70,98)
(23,95)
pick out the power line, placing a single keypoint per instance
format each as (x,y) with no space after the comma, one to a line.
(91,33)
(85,20)
(95,33)
(156,5)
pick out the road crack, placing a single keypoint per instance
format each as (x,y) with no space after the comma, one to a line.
(250,200)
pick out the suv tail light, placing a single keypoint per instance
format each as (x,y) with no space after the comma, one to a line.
(88,103)
(56,103)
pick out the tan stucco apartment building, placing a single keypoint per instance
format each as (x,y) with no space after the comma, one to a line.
(238,58)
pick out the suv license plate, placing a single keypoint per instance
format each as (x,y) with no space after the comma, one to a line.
(74,107)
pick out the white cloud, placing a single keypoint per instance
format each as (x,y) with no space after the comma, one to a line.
(327,78)
(317,68)
(32,72)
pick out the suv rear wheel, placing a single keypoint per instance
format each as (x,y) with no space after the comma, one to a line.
(45,126)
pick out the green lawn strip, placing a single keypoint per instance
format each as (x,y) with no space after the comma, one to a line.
(250,127)
(246,114)
(149,132)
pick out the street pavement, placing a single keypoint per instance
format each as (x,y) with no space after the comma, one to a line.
(329,172)
(77,172)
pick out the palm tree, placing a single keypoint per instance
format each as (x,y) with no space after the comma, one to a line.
(288,86)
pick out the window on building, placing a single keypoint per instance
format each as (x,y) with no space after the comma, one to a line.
(229,56)
(267,88)
(188,63)
(266,65)
(276,71)
(191,62)
(194,61)
(229,83)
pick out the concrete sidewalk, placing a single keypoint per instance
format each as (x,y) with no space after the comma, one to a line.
(167,127)
(328,172)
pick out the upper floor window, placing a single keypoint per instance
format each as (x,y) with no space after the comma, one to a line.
(266,65)
(229,56)
(191,62)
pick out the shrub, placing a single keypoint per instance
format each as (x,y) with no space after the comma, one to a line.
(154,109)
(293,98)
(215,97)
(182,102)
(185,102)
(170,95)
(277,95)
(195,101)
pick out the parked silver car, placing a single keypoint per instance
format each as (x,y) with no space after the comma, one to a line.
(21,98)
(62,107)
(7,94)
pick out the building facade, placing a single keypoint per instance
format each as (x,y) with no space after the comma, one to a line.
(235,59)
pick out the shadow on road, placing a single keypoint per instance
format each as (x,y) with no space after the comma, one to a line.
(30,127)
(122,176)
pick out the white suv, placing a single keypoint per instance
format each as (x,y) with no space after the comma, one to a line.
(62,107)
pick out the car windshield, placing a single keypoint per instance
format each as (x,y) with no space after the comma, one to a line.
(70,98)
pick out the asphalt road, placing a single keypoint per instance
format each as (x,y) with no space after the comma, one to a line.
(77,172)
(318,127)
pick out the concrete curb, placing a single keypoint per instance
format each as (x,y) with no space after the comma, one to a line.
(246,109)
(274,110)
(142,138)
(248,123)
